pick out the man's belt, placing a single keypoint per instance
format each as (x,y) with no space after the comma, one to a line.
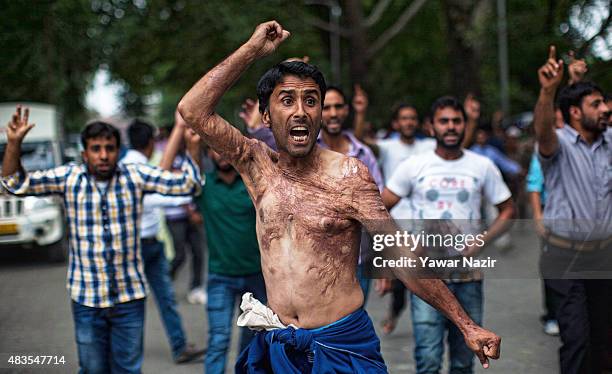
(577,245)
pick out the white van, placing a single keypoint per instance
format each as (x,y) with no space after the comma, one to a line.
(34,221)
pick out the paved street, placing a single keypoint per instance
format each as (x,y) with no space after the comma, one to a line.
(35,318)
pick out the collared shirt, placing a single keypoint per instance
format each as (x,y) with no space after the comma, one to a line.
(362,152)
(229,219)
(152,203)
(105,265)
(265,135)
(578,180)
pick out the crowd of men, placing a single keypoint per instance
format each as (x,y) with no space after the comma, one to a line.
(284,214)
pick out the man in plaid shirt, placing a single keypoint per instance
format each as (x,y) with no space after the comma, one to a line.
(103,205)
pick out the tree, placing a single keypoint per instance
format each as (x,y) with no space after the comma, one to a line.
(49,54)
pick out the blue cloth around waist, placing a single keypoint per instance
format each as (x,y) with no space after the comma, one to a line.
(349,345)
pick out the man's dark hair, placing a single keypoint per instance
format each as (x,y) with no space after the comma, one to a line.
(573,94)
(275,75)
(99,129)
(338,90)
(399,107)
(140,134)
(447,102)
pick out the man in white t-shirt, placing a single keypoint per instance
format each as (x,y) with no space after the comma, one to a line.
(449,183)
(391,152)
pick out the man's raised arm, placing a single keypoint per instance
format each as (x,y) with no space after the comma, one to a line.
(360,107)
(15,132)
(197,107)
(549,75)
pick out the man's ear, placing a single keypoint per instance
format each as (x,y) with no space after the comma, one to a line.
(575,113)
(265,118)
(84,156)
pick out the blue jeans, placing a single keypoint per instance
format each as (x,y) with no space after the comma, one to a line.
(429,327)
(158,276)
(364,283)
(223,291)
(110,340)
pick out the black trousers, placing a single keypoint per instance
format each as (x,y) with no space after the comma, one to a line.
(398,298)
(185,234)
(583,315)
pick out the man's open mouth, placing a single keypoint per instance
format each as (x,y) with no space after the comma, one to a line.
(299,134)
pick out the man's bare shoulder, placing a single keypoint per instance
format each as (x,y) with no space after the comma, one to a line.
(349,169)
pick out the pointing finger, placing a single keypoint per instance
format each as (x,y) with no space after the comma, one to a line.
(26,116)
(552,52)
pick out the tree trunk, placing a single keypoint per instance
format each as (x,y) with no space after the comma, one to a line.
(358,40)
(463,46)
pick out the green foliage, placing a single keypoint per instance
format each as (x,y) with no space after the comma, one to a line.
(173,43)
(160,48)
(49,53)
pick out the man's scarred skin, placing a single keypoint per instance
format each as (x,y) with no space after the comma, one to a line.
(310,202)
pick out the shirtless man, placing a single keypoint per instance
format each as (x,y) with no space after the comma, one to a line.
(310,205)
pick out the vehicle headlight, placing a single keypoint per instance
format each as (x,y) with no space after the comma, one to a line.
(33,203)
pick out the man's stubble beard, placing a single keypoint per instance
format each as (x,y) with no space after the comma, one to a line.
(592,125)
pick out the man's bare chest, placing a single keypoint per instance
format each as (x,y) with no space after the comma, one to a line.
(303,207)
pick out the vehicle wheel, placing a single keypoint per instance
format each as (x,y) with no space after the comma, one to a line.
(57,252)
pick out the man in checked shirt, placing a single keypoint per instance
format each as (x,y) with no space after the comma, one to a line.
(103,205)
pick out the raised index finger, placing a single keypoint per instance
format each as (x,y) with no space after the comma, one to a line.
(552,52)
(26,115)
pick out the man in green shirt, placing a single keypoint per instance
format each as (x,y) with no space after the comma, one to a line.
(233,264)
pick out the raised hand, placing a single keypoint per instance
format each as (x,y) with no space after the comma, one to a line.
(484,344)
(551,73)
(193,144)
(18,127)
(192,139)
(267,37)
(576,68)
(360,100)
(250,114)
(472,108)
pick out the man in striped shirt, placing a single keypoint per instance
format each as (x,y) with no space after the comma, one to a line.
(103,205)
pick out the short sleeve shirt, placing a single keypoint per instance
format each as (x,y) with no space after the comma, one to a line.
(448,189)
(394,151)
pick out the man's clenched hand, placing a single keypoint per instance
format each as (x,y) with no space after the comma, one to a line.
(266,38)
(483,343)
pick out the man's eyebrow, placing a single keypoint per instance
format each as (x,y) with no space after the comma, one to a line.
(311,91)
(287,91)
